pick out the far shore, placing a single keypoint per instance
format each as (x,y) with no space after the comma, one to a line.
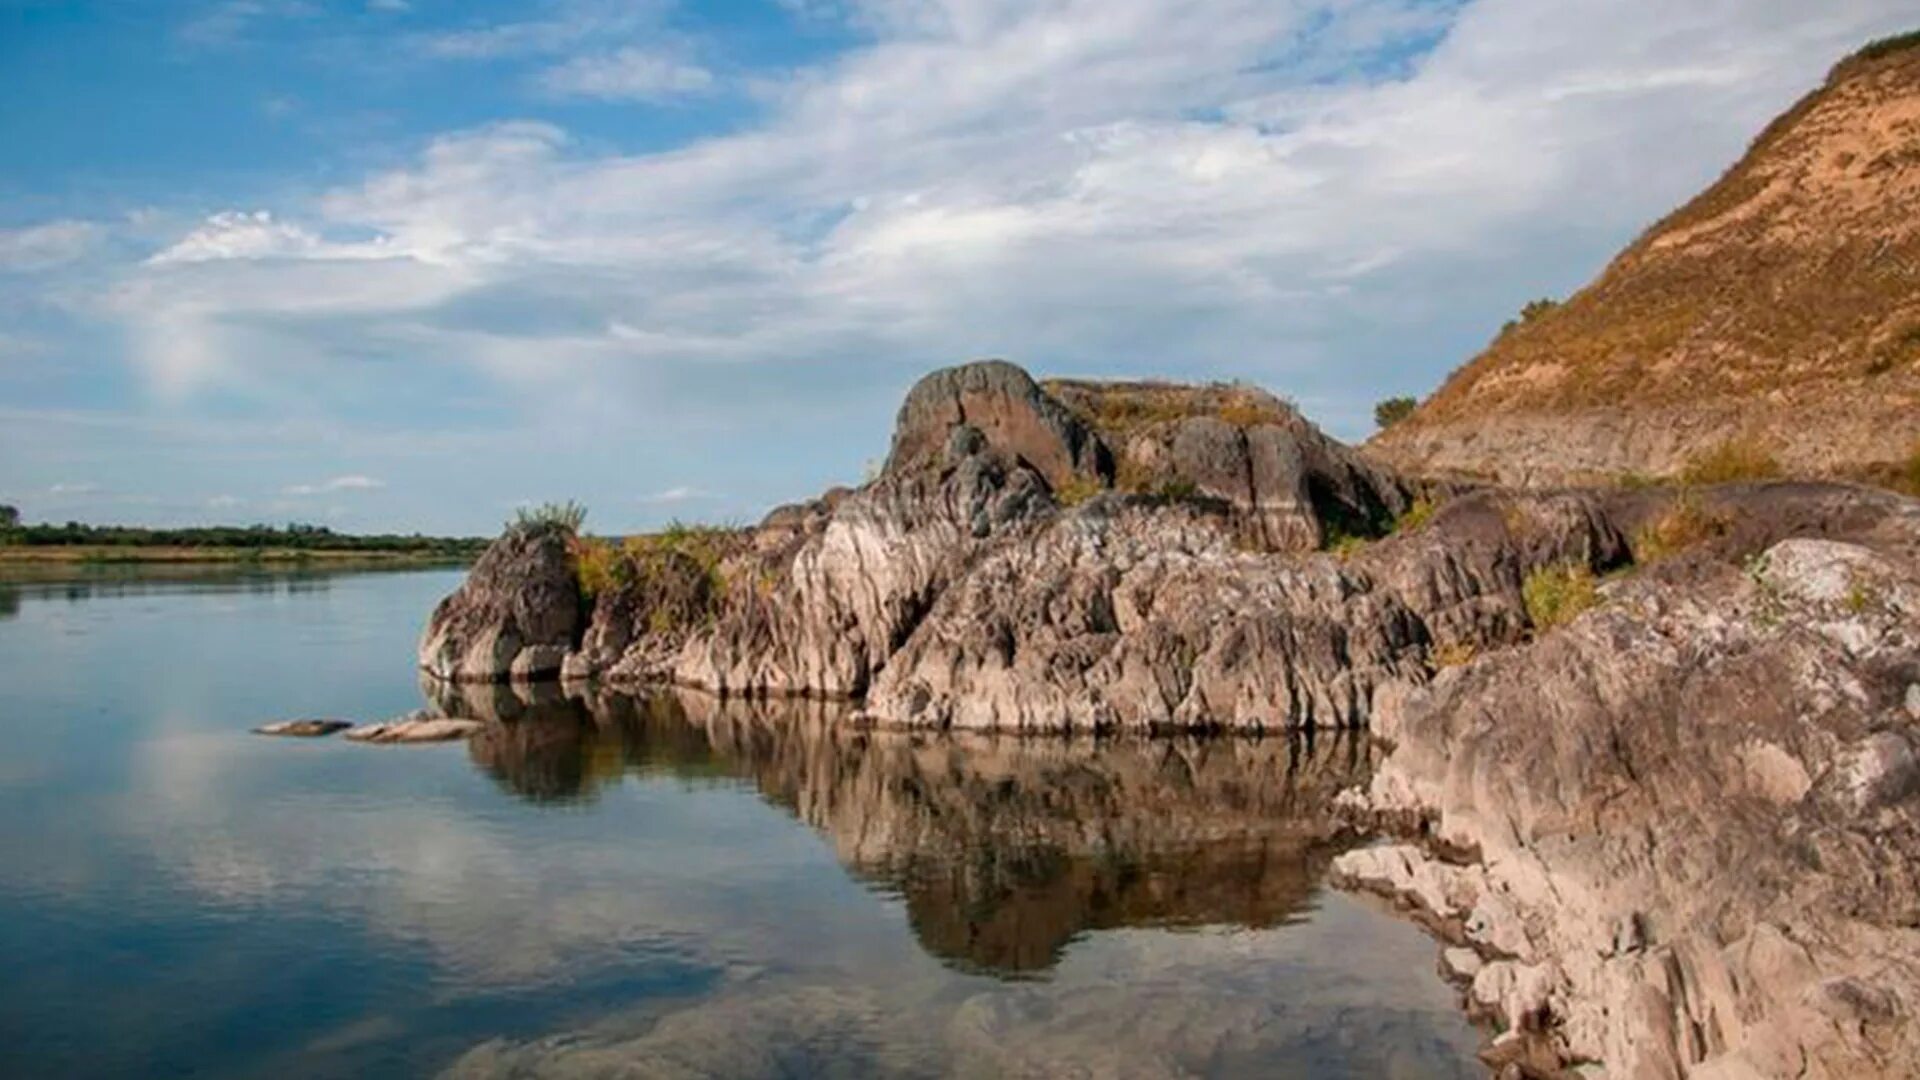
(30,555)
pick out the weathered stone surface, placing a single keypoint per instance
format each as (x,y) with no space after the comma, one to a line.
(417,727)
(1008,409)
(1140,615)
(1692,814)
(516,615)
(303,729)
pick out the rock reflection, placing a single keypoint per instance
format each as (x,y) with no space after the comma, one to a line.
(1003,849)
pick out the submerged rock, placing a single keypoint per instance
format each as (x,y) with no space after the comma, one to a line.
(303,729)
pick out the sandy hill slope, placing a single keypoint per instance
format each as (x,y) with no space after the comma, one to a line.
(1779,310)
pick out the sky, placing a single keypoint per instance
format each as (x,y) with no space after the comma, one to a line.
(408,264)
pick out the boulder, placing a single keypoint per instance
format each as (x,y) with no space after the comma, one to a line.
(1010,412)
(303,729)
(516,615)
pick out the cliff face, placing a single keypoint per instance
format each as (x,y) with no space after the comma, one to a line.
(1781,308)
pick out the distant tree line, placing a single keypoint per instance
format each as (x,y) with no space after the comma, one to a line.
(297,536)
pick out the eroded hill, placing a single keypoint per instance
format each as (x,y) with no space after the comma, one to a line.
(1780,309)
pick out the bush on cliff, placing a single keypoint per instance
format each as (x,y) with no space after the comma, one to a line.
(1392,410)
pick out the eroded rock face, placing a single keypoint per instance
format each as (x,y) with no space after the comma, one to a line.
(515,617)
(1690,820)
(824,596)
(1008,409)
(1139,615)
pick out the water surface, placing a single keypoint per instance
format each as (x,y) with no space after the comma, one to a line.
(667,886)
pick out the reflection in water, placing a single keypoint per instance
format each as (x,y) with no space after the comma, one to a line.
(640,887)
(1004,849)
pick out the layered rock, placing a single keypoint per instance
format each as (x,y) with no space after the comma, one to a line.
(515,617)
(1140,615)
(1682,832)
(989,473)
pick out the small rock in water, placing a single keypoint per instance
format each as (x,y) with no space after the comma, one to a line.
(415,728)
(302,729)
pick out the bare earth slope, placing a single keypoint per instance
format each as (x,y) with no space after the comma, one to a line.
(1781,306)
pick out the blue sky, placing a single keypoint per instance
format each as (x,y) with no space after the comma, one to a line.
(404,264)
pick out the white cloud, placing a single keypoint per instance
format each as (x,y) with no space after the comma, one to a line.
(684,493)
(47,245)
(73,489)
(239,234)
(569,23)
(338,483)
(630,74)
(1112,185)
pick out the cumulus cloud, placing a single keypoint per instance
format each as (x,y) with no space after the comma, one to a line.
(1340,199)
(338,483)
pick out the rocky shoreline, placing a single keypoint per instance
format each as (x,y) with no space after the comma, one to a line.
(1677,832)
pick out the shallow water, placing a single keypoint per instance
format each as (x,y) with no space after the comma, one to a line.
(668,886)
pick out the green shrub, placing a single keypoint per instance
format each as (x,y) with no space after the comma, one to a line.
(1076,490)
(568,515)
(1415,516)
(1177,489)
(1554,595)
(1343,543)
(1393,410)
(1730,462)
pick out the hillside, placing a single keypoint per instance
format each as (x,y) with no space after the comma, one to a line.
(1779,309)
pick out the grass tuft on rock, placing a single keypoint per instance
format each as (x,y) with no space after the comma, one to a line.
(1556,595)
(1686,524)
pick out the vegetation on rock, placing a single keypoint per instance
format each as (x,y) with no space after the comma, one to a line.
(1555,595)
(1391,411)
(569,515)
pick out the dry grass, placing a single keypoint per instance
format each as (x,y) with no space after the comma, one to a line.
(1452,654)
(1779,277)
(1730,462)
(1685,524)
(677,574)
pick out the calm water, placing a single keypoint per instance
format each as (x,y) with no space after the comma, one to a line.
(665,887)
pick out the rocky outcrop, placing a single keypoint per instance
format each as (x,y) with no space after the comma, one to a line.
(1777,309)
(1139,615)
(988,469)
(1290,486)
(515,617)
(1681,834)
